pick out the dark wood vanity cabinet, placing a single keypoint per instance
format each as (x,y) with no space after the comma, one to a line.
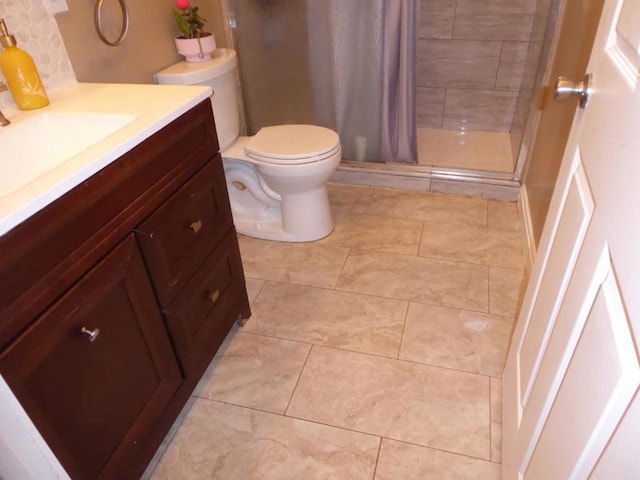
(115,298)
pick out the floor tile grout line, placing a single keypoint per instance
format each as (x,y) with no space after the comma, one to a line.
(484,375)
(489,291)
(421,237)
(371,195)
(303,342)
(413,193)
(354,292)
(375,468)
(479,224)
(377,435)
(486,312)
(275,337)
(426,257)
(404,327)
(344,264)
(284,415)
(297,381)
(452,369)
(486,227)
(490,422)
(259,290)
(487,202)
(437,449)
(376,355)
(483,223)
(424,224)
(463,262)
(449,307)
(436,259)
(328,289)
(226,402)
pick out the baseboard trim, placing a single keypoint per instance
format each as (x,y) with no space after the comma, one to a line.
(527,225)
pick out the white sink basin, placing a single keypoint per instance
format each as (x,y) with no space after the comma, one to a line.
(46,153)
(37,145)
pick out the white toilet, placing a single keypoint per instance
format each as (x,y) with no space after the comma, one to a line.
(276,178)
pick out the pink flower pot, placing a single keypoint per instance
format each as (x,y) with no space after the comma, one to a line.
(196,49)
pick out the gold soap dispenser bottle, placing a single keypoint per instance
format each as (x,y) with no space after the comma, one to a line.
(21,74)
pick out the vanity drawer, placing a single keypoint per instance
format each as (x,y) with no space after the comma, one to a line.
(202,314)
(184,230)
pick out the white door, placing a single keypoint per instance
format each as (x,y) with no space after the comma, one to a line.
(571,402)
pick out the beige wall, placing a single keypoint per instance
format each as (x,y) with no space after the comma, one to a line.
(148,48)
(37,33)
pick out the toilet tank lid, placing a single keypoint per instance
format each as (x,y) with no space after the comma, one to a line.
(289,142)
(191,73)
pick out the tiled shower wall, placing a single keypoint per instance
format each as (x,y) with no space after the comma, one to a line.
(472,57)
(38,34)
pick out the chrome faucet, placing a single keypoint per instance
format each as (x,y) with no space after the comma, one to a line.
(4,121)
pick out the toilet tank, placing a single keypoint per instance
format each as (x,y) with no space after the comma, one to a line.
(219,73)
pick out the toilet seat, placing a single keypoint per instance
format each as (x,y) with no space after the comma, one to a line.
(292,144)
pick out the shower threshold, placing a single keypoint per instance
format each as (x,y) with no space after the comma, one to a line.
(478,183)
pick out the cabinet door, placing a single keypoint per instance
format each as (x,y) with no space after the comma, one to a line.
(95,395)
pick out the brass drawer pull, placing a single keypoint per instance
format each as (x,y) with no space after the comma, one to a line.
(196,226)
(91,334)
(214,296)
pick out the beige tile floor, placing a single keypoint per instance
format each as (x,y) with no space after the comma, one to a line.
(373,354)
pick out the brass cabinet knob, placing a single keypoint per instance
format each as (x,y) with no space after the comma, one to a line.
(196,226)
(92,335)
(214,296)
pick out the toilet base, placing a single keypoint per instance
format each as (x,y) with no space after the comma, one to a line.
(272,230)
(302,217)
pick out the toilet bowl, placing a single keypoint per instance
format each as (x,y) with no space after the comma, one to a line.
(276,179)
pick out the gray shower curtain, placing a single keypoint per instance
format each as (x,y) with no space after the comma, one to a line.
(398,117)
(344,64)
(365,75)
(345,45)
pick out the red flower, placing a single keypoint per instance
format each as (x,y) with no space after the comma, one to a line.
(182,4)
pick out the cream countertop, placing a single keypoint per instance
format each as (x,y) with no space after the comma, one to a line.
(152,106)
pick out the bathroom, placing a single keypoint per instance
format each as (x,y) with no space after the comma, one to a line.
(381,208)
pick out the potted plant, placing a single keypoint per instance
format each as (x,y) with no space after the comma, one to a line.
(194,44)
